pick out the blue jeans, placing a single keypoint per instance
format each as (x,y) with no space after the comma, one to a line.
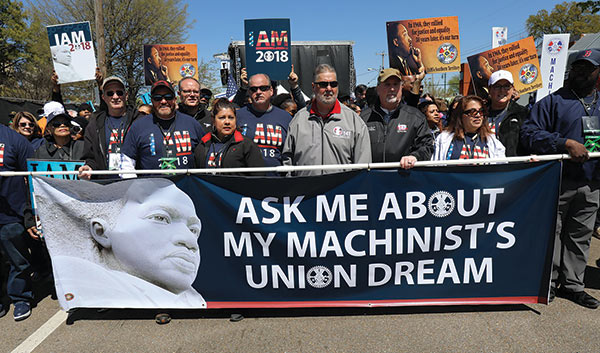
(13,243)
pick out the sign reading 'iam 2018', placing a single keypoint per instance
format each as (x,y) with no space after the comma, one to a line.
(268,44)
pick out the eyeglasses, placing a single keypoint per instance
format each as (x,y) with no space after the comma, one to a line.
(254,89)
(504,87)
(111,93)
(190,91)
(59,123)
(160,97)
(324,84)
(26,124)
(473,112)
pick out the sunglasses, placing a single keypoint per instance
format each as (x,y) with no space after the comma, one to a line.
(503,87)
(59,123)
(324,84)
(111,93)
(254,89)
(160,97)
(205,96)
(26,124)
(473,112)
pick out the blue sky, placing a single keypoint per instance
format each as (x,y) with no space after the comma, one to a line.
(217,22)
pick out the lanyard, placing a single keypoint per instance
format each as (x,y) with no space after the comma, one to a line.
(168,148)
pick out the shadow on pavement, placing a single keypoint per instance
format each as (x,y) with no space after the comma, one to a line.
(149,314)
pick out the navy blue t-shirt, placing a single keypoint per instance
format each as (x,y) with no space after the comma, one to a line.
(145,141)
(268,130)
(114,129)
(14,151)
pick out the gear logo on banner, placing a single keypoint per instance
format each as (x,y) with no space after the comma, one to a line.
(441,204)
(528,73)
(187,70)
(447,53)
(319,276)
(500,36)
(554,46)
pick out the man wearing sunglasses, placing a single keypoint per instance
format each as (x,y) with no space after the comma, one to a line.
(193,101)
(262,122)
(166,139)
(106,130)
(398,132)
(559,123)
(326,131)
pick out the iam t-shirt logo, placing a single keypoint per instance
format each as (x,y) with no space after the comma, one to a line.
(401,128)
(339,132)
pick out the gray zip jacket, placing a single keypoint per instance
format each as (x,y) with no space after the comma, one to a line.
(341,138)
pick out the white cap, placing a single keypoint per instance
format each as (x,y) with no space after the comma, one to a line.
(500,75)
(52,107)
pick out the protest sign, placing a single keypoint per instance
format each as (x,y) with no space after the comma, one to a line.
(268,47)
(449,235)
(499,36)
(519,58)
(429,43)
(72,52)
(553,63)
(170,62)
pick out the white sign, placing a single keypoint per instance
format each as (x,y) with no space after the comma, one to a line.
(72,52)
(553,63)
(499,36)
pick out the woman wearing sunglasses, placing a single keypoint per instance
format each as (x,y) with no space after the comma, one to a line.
(225,146)
(25,124)
(59,144)
(468,136)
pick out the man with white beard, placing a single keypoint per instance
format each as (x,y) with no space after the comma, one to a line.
(325,131)
(398,132)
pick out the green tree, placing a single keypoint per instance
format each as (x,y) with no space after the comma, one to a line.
(13,43)
(128,25)
(567,17)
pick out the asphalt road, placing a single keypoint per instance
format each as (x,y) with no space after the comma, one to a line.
(559,327)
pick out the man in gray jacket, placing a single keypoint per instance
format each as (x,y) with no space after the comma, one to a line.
(325,131)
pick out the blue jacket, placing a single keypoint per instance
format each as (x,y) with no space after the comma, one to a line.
(14,151)
(553,120)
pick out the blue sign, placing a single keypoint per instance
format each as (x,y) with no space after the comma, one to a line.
(268,47)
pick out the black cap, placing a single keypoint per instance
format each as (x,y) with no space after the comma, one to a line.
(84,106)
(591,55)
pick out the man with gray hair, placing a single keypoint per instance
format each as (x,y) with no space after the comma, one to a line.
(325,131)
(262,122)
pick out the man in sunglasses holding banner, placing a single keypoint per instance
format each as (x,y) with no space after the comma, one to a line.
(106,131)
(262,122)
(325,131)
(165,139)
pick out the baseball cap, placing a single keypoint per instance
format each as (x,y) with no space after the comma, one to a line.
(591,55)
(84,106)
(500,75)
(56,114)
(387,73)
(113,79)
(162,83)
(52,107)
(206,91)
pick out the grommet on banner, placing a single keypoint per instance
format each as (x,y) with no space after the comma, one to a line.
(236,317)
(162,318)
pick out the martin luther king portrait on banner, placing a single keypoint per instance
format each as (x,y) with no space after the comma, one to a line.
(403,55)
(129,244)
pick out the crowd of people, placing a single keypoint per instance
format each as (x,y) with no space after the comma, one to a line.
(391,122)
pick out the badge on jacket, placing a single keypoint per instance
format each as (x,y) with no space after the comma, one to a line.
(401,128)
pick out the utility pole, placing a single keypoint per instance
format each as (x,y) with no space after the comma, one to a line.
(100,36)
(382,59)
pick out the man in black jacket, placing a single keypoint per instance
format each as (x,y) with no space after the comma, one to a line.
(398,132)
(191,103)
(505,115)
(106,131)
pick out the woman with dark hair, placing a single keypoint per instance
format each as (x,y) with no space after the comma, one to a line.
(225,146)
(25,124)
(468,136)
(60,145)
(451,108)
(432,114)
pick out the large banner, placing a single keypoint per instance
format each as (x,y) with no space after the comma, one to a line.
(519,58)
(170,62)
(268,47)
(72,52)
(553,63)
(428,43)
(429,236)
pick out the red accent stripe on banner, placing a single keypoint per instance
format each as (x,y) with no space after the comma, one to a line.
(378,303)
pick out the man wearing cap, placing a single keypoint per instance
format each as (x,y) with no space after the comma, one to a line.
(505,115)
(325,131)
(193,102)
(166,139)
(106,131)
(262,122)
(398,132)
(559,123)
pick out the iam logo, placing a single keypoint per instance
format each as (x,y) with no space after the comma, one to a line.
(554,46)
